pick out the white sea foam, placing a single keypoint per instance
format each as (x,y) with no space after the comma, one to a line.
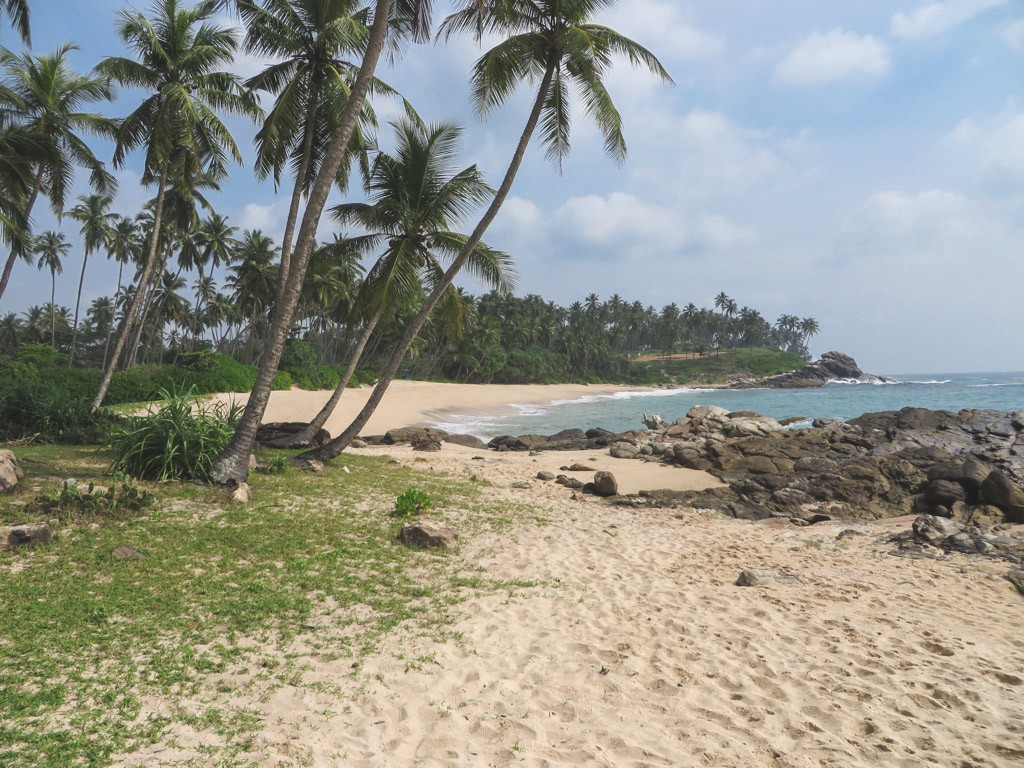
(930,381)
(1005,384)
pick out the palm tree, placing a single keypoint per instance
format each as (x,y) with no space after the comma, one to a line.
(177,55)
(808,327)
(233,464)
(17,11)
(309,40)
(253,281)
(52,248)
(93,211)
(550,41)
(416,199)
(49,97)
(10,333)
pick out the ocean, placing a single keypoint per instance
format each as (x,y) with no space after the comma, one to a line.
(623,411)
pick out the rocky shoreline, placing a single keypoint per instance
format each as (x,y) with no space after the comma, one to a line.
(961,473)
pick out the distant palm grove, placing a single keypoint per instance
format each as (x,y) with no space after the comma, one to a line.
(379,295)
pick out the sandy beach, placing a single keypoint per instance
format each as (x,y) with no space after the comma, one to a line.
(418,402)
(633,645)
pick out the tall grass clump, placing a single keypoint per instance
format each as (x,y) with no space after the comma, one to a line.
(41,409)
(180,441)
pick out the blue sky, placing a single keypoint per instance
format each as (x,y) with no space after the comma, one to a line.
(861,163)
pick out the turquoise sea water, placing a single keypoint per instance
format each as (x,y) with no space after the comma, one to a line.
(623,410)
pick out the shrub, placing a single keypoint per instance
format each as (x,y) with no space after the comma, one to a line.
(411,503)
(316,377)
(45,409)
(40,355)
(118,502)
(298,355)
(180,441)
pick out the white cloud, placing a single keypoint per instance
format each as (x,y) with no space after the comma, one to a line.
(1013,34)
(939,17)
(619,218)
(997,147)
(662,29)
(264,217)
(835,56)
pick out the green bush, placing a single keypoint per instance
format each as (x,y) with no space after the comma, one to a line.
(178,442)
(40,355)
(298,355)
(317,377)
(411,503)
(46,409)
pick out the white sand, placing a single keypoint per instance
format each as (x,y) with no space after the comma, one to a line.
(637,649)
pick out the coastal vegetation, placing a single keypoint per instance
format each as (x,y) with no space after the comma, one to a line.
(204,306)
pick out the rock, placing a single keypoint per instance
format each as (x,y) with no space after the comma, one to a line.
(429,535)
(605,484)
(944,493)
(624,451)
(579,468)
(522,485)
(699,412)
(935,530)
(252,461)
(283,434)
(470,441)
(760,578)
(545,475)
(831,366)
(357,443)
(310,465)
(25,535)
(240,494)
(569,434)
(426,442)
(412,434)
(124,552)
(569,482)
(1016,577)
(10,473)
(999,490)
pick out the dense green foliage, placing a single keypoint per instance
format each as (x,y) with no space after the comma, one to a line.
(180,441)
(35,406)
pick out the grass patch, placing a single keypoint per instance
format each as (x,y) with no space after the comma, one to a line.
(87,638)
(716,367)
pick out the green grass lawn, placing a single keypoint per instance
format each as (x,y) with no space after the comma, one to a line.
(85,637)
(714,368)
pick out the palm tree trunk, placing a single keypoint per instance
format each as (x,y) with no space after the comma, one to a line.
(110,330)
(78,304)
(233,465)
(320,419)
(53,309)
(13,256)
(387,375)
(144,280)
(293,209)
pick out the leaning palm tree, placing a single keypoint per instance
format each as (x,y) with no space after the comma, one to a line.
(309,41)
(50,97)
(551,42)
(416,198)
(93,212)
(52,248)
(177,56)
(413,20)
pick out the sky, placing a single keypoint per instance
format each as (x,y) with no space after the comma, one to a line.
(859,163)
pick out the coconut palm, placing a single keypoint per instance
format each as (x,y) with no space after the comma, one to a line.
(93,212)
(552,43)
(309,41)
(52,248)
(412,20)
(47,98)
(416,198)
(11,329)
(17,11)
(177,56)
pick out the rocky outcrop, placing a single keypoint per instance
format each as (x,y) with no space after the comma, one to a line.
(832,366)
(25,535)
(967,467)
(934,537)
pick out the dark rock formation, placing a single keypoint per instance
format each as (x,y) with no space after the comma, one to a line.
(281,434)
(26,535)
(605,484)
(832,366)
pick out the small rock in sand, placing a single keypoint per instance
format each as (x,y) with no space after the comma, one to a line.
(756,577)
